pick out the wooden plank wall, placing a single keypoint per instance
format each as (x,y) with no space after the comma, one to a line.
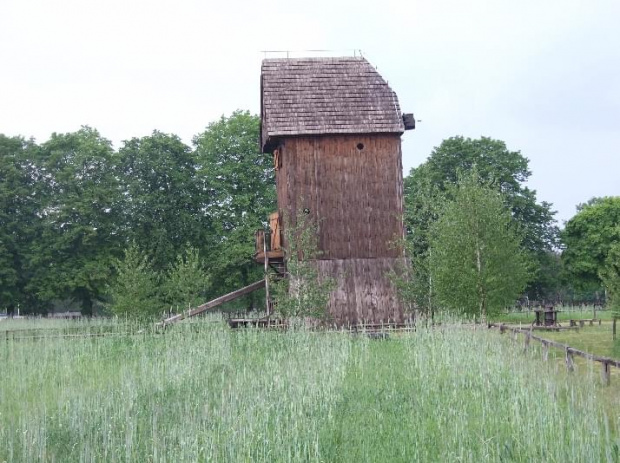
(363,293)
(356,194)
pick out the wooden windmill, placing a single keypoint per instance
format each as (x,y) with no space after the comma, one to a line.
(334,126)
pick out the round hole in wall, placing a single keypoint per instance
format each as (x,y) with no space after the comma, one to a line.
(360,146)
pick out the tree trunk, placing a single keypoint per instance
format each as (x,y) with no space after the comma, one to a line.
(481,292)
(614,329)
(87,306)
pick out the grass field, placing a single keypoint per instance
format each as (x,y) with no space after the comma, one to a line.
(595,339)
(201,392)
(527,317)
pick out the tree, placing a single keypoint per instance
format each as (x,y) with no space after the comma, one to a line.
(610,276)
(19,219)
(414,283)
(186,282)
(588,238)
(163,208)
(237,181)
(477,263)
(303,293)
(134,293)
(78,204)
(499,168)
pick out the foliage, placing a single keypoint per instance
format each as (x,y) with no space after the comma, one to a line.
(610,276)
(19,219)
(588,238)
(239,186)
(303,293)
(135,291)
(72,204)
(186,281)
(78,203)
(504,170)
(477,263)
(414,283)
(162,199)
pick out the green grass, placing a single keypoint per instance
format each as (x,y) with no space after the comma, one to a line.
(595,339)
(526,317)
(201,392)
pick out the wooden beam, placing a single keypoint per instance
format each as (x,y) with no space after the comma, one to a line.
(215,302)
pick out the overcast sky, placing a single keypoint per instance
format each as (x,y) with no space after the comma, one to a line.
(542,75)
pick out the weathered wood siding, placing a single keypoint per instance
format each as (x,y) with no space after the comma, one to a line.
(364,293)
(356,194)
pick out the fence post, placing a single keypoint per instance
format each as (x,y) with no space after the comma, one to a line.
(528,334)
(605,373)
(570,362)
(545,350)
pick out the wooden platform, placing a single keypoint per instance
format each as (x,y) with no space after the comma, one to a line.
(273,256)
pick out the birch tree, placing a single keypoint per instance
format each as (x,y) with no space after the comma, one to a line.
(477,263)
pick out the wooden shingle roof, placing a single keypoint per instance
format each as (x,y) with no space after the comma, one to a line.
(314,96)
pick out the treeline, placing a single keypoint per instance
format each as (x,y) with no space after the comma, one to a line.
(71,207)
(462,245)
(157,224)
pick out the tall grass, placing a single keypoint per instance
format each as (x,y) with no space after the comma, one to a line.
(201,392)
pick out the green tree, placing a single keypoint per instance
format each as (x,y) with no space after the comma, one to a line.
(162,201)
(79,205)
(588,238)
(477,263)
(414,283)
(19,219)
(303,292)
(501,169)
(186,282)
(610,276)
(237,181)
(134,292)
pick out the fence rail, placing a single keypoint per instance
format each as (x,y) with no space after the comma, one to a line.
(569,352)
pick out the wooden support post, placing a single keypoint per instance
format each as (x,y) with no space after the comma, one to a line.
(545,350)
(526,345)
(515,335)
(267,300)
(594,311)
(570,361)
(216,302)
(605,373)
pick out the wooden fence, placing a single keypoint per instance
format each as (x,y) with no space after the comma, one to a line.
(569,352)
